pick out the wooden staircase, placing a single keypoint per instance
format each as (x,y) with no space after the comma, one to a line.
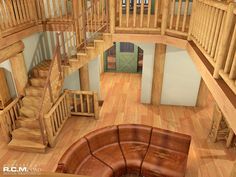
(93,49)
(27,135)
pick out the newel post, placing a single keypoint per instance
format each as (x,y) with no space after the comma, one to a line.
(192,19)
(225,40)
(165,13)
(112,10)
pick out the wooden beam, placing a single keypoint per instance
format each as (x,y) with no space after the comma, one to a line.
(19,73)
(224,97)
(158,73)
(84,78)
(150,38)
(11,50)
(13,38)
(202,95)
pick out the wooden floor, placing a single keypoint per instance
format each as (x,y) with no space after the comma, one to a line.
(121,94)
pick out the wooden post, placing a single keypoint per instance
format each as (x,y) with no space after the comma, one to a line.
(4,128)
(84,78)
(225,40)
(19,72)
(158,73)
(202,95)
(112,15)
(165,12)
(96,106)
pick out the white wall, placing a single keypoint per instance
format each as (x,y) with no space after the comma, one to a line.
(147,76)
(181,79)
(72,82)
(34,49)
(10,81)
(94,76)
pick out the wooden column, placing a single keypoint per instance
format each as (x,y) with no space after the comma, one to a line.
(158,73)
(112,15)
(19,72)
(202,95)
(84,78)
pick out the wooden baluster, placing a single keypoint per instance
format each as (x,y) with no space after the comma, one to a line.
(2,25)
(185,15)
(165,16)
(91,19)
(18,21)
(127,12)
(4,14)
(95,16)
(121,13)
(54,8)
(102,5)
(230,56)
(22,9)
(11,13)
(49,9)
(207,26)
(178,15)
(98,13)
(149,13)
(210,24)
(232,74)
(26,10)
(141,13)
(203,26)
(224,44)
(134,13)
(81,103)
(213,31)
(66,9)
(219,38)
(172,13)
(112,15)
(156,13)
(96,106)
(88,104)
(60,9)
(217,32)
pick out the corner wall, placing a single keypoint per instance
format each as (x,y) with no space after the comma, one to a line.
(181,79)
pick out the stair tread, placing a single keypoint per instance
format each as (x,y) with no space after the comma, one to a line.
(27,144)
(22,118)
(35,132)
(35,98)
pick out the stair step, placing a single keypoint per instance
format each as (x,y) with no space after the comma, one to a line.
(29,111)
(24,145)
(38,82)
(32,101)
(27,122)
(33,135)
(34,91)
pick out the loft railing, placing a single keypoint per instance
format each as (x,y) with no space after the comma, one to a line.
(213,30)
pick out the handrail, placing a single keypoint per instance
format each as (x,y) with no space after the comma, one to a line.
(8,118)
(48,88)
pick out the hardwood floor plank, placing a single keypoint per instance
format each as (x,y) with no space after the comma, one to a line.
(121,94)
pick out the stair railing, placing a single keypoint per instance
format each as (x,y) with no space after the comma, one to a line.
(83,103)
(8,118)
(51,91)
(56,118)
(90,19)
